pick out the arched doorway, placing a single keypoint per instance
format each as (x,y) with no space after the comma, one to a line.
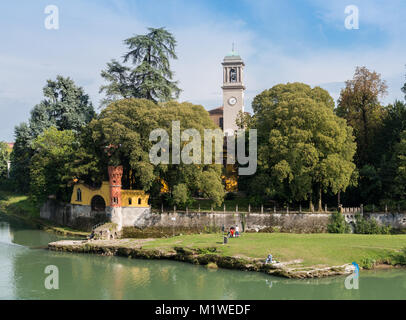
(98,204)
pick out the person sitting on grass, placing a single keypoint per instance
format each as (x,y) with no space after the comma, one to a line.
(269,259)
(232,230)
(91,236)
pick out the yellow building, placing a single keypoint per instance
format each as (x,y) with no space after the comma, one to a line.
(99,198)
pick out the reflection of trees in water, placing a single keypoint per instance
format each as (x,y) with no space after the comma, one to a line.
(26,235)
(85,276)
(5,232)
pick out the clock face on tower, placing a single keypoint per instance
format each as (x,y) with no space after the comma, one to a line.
(232,101)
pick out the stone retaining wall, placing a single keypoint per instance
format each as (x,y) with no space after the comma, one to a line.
(82,217)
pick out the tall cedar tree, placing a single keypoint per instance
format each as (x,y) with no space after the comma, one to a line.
(151,76)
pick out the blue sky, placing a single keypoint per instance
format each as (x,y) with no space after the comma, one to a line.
(280,41)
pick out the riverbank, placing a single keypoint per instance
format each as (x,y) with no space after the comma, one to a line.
(21,207)
(297,255)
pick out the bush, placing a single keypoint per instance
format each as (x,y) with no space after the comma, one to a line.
(367,263)
(337,224)
(369,226)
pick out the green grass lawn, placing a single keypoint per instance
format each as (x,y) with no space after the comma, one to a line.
(313,249)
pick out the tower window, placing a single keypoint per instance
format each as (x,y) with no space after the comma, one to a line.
(233,75)
(130,201)
(221,122)
(139,200)
(115,200)
(79,195)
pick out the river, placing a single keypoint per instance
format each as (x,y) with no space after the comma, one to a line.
(23,259)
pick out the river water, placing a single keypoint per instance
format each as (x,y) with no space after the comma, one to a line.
(23,259)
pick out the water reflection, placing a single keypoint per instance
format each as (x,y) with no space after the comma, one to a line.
(95,277)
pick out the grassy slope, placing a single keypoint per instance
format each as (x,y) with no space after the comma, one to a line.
(314,249)
(21,206)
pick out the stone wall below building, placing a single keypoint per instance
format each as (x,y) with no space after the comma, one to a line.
(81,217)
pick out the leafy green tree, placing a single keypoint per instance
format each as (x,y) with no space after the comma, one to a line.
(60,159)
(394,123)
(65,107)
(359,105)
(370,184)
(385,147)
(123,130)
(89,164)
(337,224)
(303,147)
(51,164)
(151,76)
(181,194)
(20,157)
(4,157)
(400,153)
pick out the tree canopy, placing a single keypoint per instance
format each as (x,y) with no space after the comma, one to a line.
(359,105)
(302,145)
(123,130)
(65,107)
(4,157)
(150,77)
(50,166)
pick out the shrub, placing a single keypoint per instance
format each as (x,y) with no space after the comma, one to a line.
(369,226)
(367,263)
(337,224)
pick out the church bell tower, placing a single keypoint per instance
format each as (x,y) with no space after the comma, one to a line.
(233,91)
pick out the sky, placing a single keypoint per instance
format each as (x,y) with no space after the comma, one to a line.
(280,41)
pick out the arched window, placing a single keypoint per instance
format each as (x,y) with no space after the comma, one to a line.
(139,200)
(79,195)
(130,201)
